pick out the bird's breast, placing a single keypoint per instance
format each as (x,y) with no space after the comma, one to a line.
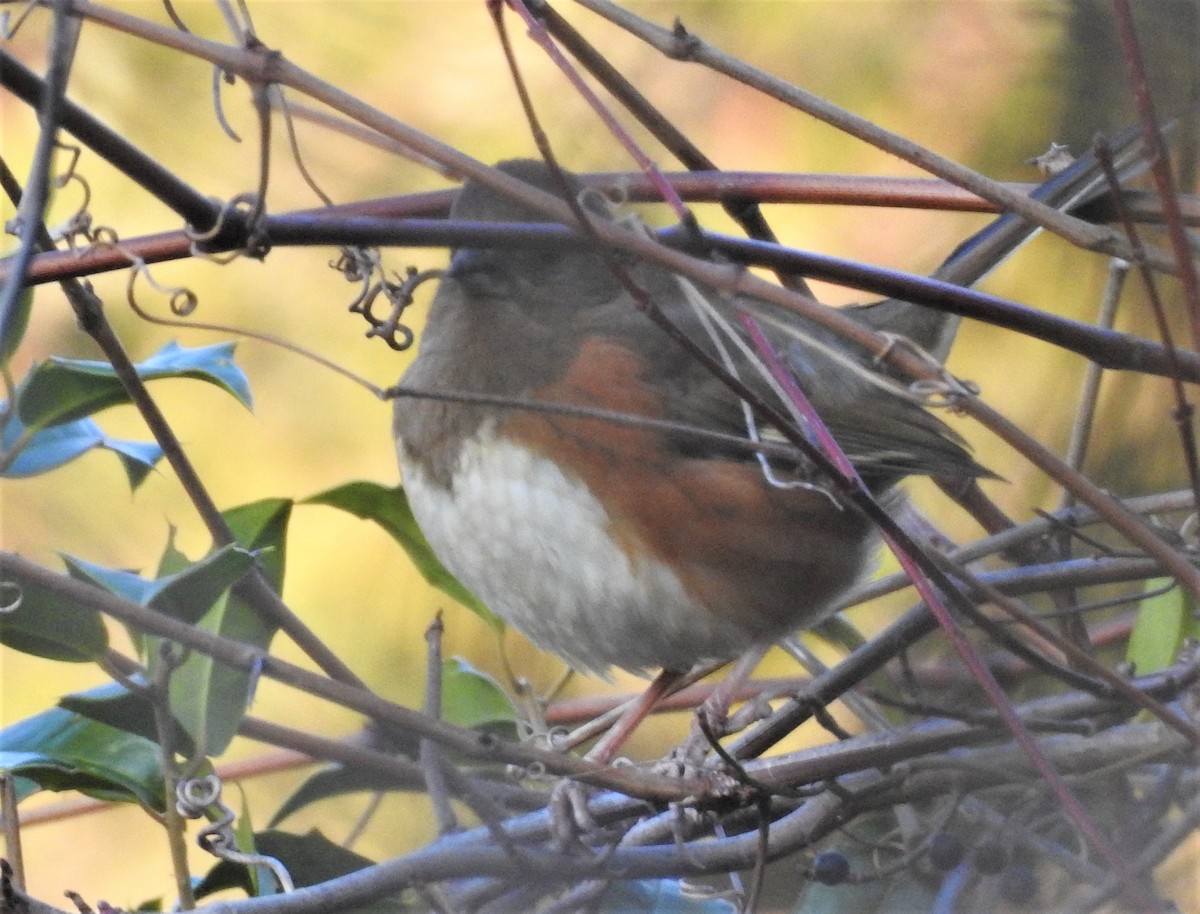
(537,547)
(607,543)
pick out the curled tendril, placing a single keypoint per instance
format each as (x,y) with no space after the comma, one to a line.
(75,152)
(249,205)
(229,78)
(183,301)
(400,294)
(194,795)
(79,223)
(197,797)
(106,237)
(555,738)
(358,265)
(533,771)
(7,604)
(362,265)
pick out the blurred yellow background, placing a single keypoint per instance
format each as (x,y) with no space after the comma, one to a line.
(988,83)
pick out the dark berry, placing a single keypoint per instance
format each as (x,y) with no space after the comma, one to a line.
(946,851)
(1019,884)
(990,857)
(831,868)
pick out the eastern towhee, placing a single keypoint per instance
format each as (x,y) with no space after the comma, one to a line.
(627,546)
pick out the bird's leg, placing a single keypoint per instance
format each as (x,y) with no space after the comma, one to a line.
(638,710)
(715,708)
(568,800)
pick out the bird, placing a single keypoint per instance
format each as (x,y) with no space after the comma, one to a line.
(644,546)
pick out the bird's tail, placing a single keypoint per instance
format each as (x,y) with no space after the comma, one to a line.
(1073,187)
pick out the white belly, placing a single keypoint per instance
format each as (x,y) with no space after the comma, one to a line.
(533,545)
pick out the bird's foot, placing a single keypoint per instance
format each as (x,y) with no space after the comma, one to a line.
(570,818)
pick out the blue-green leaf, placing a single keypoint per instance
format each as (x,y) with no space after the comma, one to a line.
(45,450)
(17,325)
(131,712)
(49,625)
(60,750)
(137,457)
(208,698)
(61,390)
(117,581)
(186,595)
(190,593)
(50,448)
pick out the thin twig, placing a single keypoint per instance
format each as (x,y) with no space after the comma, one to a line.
(1184,410)
(539,34)
(63,38)
(680,44)
(743,210)
(244,657)
(13,852)
(432,764)
(174,823)
(89,311)
(1089,393)
(1160,165)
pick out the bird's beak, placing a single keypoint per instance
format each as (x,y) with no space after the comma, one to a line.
(468,262)
(480,272)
